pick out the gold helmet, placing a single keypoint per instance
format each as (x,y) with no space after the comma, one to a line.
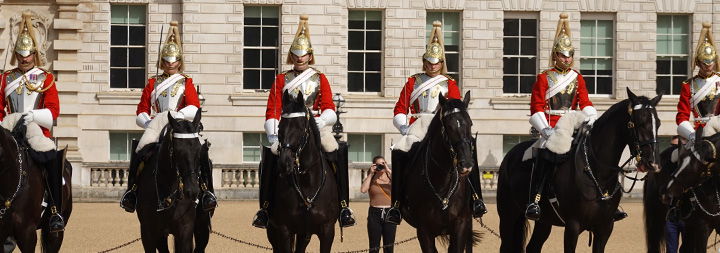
(706,51)
(172,50)
(301,44)
(26,43)
(563,42)
(435,50)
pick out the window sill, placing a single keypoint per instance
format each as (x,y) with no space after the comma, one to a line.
(119,97)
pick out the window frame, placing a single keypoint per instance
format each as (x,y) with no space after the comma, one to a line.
(459,52)
(263,139)
(671,57)
(364,136)
(128,46)
(520,16)
(365,51)
(279,59)
(128,143)
(613,58)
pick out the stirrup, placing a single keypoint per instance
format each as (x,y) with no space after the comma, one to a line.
(619,215)
(347,217)
(56,223)
(261,219)
(478,208)
(532,211)
(393,216)
(129,201)
(209,201)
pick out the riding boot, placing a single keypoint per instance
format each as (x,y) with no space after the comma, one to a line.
(129,199)
(209,201)
(477,204)
(267,191)
(347,217)
(619,215)
(53,170)
(394,215)
(536,182)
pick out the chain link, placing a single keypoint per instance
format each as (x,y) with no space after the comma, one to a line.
(380,247)
(240,241)
(486,227)
(121,246)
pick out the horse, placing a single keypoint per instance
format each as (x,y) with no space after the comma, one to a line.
(655,211)
(302,171)
(438,204)
(168,191)
(691,192)
(586,185)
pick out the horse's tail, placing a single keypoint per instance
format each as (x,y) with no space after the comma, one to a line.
(474,237)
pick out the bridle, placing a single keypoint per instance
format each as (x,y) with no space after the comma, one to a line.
(450,145)
(167,202)
(303,141)
(635,150)
(705,175)
(7,202)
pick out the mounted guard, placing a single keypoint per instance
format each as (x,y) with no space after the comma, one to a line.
(420,98)
(175,94)
(30,91)
(315,89)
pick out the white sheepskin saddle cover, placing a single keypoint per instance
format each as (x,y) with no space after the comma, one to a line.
(152,132)
(34,134)
(560,141)
(416,133)
(327,140)
(712,127)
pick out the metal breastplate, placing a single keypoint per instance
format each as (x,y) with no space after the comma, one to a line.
(428,100)
(169,99)
(708,105)
(310,88)
(23,99)
(563,100)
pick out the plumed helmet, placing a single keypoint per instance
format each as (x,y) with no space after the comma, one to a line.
(172,50)
(435,50)
(301,44)
(26,43)
(706,51)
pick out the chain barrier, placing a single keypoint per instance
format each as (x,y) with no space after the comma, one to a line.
(714,244)
(486,227)
(380,247)
(270,248)
(240,241)
(121,246)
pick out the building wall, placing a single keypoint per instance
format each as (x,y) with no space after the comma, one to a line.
(212,32)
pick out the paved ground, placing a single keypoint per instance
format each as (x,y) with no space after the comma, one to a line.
(99,226)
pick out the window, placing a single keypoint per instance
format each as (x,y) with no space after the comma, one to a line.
(363,147)
(127,38)
(261,46)
(451,38)
(519,55)
(673,49)
(251,146)
(509,141)
(596,50)
(365,51)
(121,145)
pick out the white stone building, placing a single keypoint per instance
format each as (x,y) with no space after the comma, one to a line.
(103,52)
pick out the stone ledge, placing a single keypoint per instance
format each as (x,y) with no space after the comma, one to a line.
(68,45)
(67,65)
(71,24)
(118,97)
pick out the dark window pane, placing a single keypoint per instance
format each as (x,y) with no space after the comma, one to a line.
(590,84)
(251,79)
(118,35)
(356,24)
(372,62)
(355,61)
(604,72)
(136,78)
(510,65)
(356,41)
(355,82)
(527,65)
(376,25)
(526,84)
(677,85)
(270,36)
(528,46)
(118,57)
(452,60)
(528,27)
(456,77)
(604,85)
(510,84)
(372,82)
(663,85)
(137,35)
(118,78)
(269,58)
(137,57)
(663,66)
(374,40)
(270,21)
(252,21)
(680,66)
(251,58)
(510,46)
(268,78)
(252,36)
(452,48)
(512,27)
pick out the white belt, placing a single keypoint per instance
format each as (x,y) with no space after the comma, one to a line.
(703,120)
(557,112)
(418,115)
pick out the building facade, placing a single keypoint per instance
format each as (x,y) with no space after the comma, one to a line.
(103,52)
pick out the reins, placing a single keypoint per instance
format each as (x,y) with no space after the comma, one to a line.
(170,200)
(297,170)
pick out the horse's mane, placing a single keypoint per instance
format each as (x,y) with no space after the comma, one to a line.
(620,107)
(705,151)
(434,126)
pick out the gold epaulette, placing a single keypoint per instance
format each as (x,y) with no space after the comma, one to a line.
(449,77)
(689,80)
(186,76)
(416,75)
(46,71)
(317,70)
(545,71)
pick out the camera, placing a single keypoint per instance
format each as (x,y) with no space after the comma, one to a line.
(379,167)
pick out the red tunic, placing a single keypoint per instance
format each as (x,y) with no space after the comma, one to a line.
(190,98)
(47,100)
(274,103)
(403,102)
(539,104)
(684,107)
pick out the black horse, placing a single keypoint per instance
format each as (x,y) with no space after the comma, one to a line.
(655,211)
(586,185)
(304,172)
(168,190)
(437,199)
(690,193)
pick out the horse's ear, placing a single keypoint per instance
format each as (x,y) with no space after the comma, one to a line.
(442,100)
(633,98)
(466,99)
(172,122)
(699,133)
(300,99)
(196,120)
(656,99)
(286,97)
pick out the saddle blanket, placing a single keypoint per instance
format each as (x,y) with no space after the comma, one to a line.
(560,141)
(34,134)
(327,140)
(416,133)
(152,132)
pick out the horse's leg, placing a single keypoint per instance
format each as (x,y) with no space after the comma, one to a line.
(149,239)
(702,232)
(459,235)
(302,241)
(280,238)
(540,234)
(162,244)
(202,231)
(427,241)
(601,234)
(184,238)
(26,239)
(513,231)
(572,231)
